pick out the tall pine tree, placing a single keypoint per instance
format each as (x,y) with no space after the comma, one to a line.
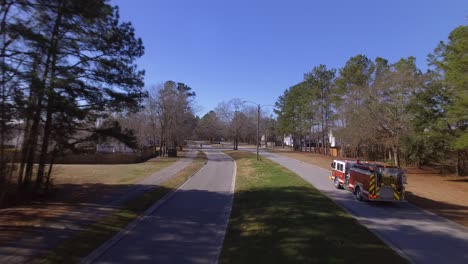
(80,68)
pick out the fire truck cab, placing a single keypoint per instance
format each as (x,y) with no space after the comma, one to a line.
(340,172)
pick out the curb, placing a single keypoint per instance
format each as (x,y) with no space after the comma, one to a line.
(98,252)
(227,213)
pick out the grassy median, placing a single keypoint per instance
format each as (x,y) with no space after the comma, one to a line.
(277,217)
(72,250)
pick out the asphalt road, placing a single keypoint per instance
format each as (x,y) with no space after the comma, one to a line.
(189,227)
(415,233)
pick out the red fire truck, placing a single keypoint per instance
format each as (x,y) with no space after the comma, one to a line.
(372,182)
(340,168)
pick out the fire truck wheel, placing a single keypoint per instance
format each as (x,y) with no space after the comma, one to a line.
(337,183)
(357,192)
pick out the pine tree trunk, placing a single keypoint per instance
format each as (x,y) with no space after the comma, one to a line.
(462,155)
(32,144)
(160,143)
(3,119)
(396,155)
(310,139)
(44,147)
(34,96)
(24,151)
(50,95)
(300,143)
(51,57)
(49,172)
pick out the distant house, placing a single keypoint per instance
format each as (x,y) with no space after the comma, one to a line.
(334,149)
(16,138)
(288,140)
(264,143)
(113,146)
(331,139)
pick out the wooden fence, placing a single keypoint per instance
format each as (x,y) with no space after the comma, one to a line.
(101,158)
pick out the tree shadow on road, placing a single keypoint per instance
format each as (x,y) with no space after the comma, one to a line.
(33,229)
(268,225)
(456,213)
(460,180)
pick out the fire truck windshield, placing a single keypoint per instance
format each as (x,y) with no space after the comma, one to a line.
(391,171)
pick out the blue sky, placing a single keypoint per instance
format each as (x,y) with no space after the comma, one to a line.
(256,49)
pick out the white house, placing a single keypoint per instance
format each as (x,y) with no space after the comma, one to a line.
(15,139)
(113,146)
(288,140)
(331,139)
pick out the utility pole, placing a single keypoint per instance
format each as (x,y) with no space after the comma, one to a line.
(258,129)
(258,126)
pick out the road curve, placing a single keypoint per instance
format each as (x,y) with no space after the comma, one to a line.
(189,227)
(419,235)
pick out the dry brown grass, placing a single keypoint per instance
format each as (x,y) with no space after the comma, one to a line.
(445,195)
(108,173)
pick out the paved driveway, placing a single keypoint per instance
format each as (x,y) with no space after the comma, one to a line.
(419,235)
(189,227)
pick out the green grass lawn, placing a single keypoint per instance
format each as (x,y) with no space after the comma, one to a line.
(277,217)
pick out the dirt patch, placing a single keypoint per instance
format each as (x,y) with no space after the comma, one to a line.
(445,195)
(15,221)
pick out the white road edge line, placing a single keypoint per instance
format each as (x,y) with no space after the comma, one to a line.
(98,252)
(228,211)
(391,245)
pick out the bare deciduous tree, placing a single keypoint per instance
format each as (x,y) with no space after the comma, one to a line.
(234,120)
